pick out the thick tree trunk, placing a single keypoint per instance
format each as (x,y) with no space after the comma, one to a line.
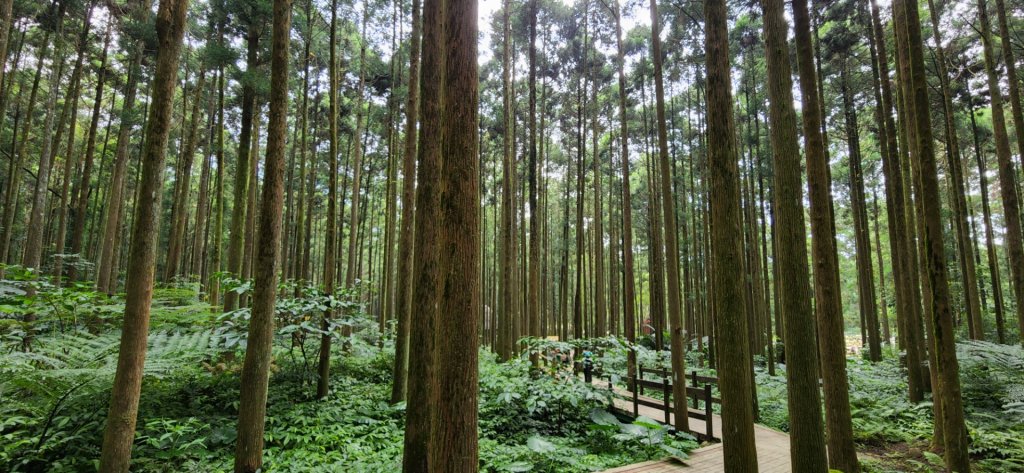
(124,399)
(427,272)
(1007,175)
(947,371)
(454,441)
(807,436)
(727,251)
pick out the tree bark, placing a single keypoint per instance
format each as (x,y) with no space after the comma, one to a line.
(403,293)
(828,304)
(255,374)
(236,240)
(807,436)
(124,399)
(735,365)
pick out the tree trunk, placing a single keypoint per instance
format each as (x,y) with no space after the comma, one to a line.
(865,270)
(182,180)
(993,258)
(403,293)
(322,386)
(124,399)
(427,271)
(628,278)
(965,247)
(255,374)
(907,300)
(236,240)
(454,441)
(735,365)
(1007,175)
(842,454)
(948,390)
(106,269)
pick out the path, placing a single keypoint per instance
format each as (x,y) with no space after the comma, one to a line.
(772,446)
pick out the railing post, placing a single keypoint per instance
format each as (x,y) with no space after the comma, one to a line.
(640,375)
(667,394)
(636,398)
(708,411)
(694,384)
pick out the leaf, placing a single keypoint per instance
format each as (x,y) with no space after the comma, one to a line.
(603,417)
(647,423)
(518,467)
(539,445)
(933,458)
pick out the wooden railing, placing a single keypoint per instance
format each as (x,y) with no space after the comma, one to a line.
(699,391)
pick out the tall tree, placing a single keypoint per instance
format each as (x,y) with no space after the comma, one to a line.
(124,398)
(675,315)
(106,270)
(330,235)
(807,435)
(236,239)
(454,440)
(954,431)
(838,425)
(1007,174)
(403,306)
(727,251)
(255,375)
(427,270)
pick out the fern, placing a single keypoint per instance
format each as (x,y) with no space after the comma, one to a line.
(81,364)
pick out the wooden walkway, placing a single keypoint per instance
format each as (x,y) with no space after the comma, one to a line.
(772,446)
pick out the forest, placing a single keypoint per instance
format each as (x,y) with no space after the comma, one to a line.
(511,236)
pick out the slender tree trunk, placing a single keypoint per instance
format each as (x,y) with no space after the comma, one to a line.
(907,296)
(533,297)
(671,235)
(405,241)
(807,436)
(993,258)
(323,386)
(14,174)
(124,399)
(865,270)
(948,390)
(842,454)
(1007,174)
(255,375)
(507,276)
(965,248)
(33,249)
(106,269)
(734,369)
(236,239)
(182,186)
(628,278)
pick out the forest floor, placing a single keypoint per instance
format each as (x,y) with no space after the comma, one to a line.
(53,398)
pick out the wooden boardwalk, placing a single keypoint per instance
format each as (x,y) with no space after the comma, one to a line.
(772,446)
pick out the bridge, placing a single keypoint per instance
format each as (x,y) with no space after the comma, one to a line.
(772,445)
